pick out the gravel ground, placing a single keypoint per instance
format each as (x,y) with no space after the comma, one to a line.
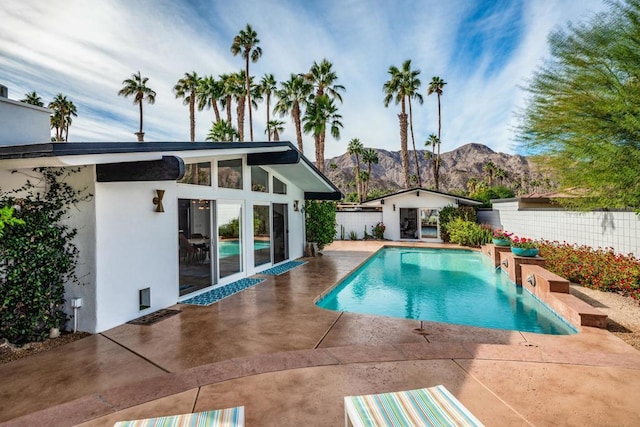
(623,312)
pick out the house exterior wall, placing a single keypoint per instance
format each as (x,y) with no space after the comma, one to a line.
(22,123)
(619,230)
(356,221)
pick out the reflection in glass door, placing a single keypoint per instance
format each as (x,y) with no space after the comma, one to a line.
(429,224)
(261,236)
(280,236)
(194,242)
(409,223)
(229,216)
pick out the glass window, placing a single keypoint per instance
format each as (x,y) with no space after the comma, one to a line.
(259,179)
(230,174)
(261,235)
(229,238)
(279,187)
(197,174)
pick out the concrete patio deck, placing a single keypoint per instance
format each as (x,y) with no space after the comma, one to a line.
(290,363)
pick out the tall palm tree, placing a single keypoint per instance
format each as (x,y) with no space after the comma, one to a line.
(436,86)
(320,114)
(222,131)
(237,90)
(187,88)
(63,109)
(323,78)
(32,98)
(274,128)
(395,89)
(355,148)
(136,86)
(490,169)
(433,140)
(293,94)
(412,90)
(370,157)
(267,87)
(246,42)
(209,92)
(228,82)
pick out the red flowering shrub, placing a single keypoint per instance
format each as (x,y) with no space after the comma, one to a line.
(601,269)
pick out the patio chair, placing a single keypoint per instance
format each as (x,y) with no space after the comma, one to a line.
(231,417)
(433,406)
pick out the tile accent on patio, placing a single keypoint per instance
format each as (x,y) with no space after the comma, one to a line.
(217,294)
(282,268)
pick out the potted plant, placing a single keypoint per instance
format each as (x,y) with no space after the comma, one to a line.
(523,246)
(501,237)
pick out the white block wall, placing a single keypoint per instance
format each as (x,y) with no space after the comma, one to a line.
(356,221)
(619,230)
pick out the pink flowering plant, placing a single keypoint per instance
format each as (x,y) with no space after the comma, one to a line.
(523,243)
(501,234)
(378,230)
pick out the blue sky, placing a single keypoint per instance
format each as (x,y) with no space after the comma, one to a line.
(485,51)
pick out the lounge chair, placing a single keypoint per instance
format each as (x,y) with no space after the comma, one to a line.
(433,406)
(231,417)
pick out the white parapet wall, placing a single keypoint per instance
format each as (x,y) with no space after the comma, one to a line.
(355,221)
(22,123)
(619,230)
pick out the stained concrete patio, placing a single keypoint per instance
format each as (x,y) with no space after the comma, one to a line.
(290,363)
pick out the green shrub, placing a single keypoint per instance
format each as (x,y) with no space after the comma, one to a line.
(37,257)
(320,222)
(449,213)
(486,194)
(468,233)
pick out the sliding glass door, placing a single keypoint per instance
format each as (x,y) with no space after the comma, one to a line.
(229,216)
(261,235)
(194,243)
(280,236)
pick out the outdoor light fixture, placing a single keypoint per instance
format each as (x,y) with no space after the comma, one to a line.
(158,201)
(417,193)
(394,208)
(296,205)
(382,202)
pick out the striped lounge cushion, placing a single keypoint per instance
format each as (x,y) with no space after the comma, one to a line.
(433,406)
(230,417)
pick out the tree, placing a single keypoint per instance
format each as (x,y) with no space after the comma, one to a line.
(436,86)
(274,128)
(238,91)
(323,78)
(63,109)
(433,140)
(319,114)
(209,92)
(396,89)
(490,170)
(370,157)
(581,119)
(222,131)
(227,82)
(267,87)
(246,43)
(291,96)
(32,98)
(136,86)
(187,88)
(355,148)
(412,91)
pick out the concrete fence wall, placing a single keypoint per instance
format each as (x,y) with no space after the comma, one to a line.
(618,230)
(356,221)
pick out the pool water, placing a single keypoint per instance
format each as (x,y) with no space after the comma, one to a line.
(440,285)
(232,247)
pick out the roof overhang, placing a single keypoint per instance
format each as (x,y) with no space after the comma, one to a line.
(459,199)
(281,157)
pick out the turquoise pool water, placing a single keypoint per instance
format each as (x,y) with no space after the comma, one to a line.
(232,247)
(439,285)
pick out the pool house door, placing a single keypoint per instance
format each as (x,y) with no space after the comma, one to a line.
(429,224)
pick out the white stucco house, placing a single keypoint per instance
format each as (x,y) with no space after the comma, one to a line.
(166,220)
(414,214)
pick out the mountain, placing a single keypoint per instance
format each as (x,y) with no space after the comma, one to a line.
(457,167)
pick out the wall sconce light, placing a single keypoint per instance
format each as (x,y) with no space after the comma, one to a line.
(296,205)
(417,193)
(394,208)
(158,201)
(382,201)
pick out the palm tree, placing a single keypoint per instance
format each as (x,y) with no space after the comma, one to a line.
(370,157)
(355,148)
(246,42)
(501,175)
(222,131)
(227,81)
(436,86)
(32,98)
(267,87)
(237,90)
(292,94)
(274,128)
(490,169)
(63,109)
(137,87)
(209,92)
(412,90)
(319,114)
(395,89)
(187,88)
(323,78)
(433,141)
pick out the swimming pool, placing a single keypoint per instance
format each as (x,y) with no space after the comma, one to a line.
(441,285)
(232,247)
